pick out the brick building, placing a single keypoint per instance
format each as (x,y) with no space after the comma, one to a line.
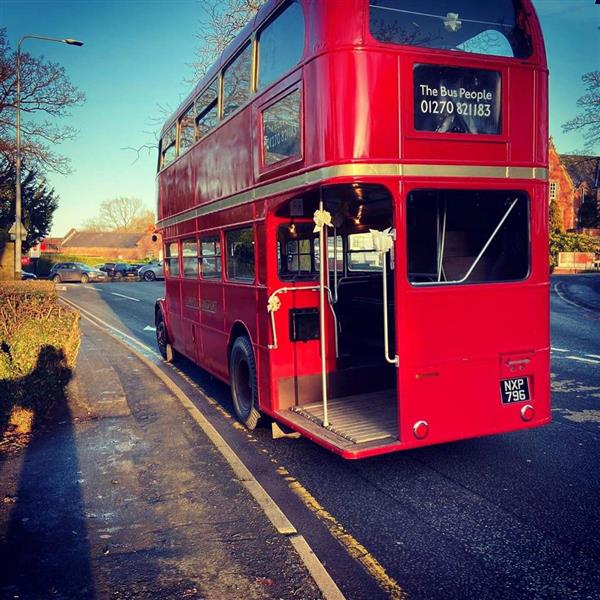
(575,184)
(110,244)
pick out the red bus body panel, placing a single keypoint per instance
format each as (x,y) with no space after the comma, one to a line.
(454,343)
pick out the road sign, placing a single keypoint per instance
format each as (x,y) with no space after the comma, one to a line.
(12,232)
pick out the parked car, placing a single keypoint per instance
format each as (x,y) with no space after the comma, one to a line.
(26,276)
(75,272)
(118,270)
(151,271)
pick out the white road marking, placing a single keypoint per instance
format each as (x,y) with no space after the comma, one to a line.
(586,360)
(148,328)
(124,296)
(593,355)
(558,350)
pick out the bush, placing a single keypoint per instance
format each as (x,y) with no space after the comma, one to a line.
(570,242)
(39,341)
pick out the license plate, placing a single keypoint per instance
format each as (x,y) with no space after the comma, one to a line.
(514,390)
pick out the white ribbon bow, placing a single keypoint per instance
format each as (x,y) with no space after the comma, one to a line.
(452,22)
(274,304)
(321,218)
(383,241)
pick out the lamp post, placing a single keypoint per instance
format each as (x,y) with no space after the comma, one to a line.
(18,225)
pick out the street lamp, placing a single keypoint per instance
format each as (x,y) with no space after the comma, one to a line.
(18,225)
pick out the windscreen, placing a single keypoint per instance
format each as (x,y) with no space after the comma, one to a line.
(493,28)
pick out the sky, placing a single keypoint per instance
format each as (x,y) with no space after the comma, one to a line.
(136,60)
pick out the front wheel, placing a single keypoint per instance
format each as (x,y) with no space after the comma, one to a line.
(149,276)
(118,276)
(244,389)
(85,278)
(56,279)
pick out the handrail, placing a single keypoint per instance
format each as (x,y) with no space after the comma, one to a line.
(273,306)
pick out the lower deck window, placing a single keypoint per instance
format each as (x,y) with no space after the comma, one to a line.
(240,254)
(466,236)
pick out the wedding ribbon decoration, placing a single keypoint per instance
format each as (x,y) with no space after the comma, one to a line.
(452,22)
(383,241)
(274,304)
(321,218)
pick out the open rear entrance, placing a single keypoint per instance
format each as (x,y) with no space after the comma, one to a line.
(360,406)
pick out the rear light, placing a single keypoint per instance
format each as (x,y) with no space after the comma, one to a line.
(421,429)
(527,412)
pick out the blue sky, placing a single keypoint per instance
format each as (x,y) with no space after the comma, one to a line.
(136,58)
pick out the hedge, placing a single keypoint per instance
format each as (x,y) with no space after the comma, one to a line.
(39,341)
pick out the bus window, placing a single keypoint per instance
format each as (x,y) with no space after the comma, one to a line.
(280,45)
(172,259)
(492,28)
(189,253)
(187,130)
(281,129)
(361,254)
(206,110)
(296,258)
(236,81)
(466,236)
(168,147)
(210,258)
(240,254)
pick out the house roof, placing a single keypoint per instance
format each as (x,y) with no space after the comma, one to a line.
(101,239)
(582,169)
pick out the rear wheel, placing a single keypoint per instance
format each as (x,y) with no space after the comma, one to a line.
(244,389)
(118,275)
(85,278)
(162,340)
(149,276)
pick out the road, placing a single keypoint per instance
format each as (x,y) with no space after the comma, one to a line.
(511,516)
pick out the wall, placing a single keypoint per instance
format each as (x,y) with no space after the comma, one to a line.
(568,204)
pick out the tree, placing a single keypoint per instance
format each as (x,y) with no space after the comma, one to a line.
(588,120)
(46,94)
(38,202)
(121,214)
(223,20)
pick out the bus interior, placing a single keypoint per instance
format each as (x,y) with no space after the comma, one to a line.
(362,389)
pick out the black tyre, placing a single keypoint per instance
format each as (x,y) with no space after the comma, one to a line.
(118,275)
(244,389)
(56,279)
(162,340)
(85,278)
(149,276)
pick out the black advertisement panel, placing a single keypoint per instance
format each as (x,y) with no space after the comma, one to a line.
(455,100)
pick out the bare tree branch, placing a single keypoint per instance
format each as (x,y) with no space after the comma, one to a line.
(45,90)
(588,120)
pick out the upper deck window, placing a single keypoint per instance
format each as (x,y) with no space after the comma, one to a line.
(236,81)
(280,45)
(187,130)
(168,147)
(206,108)
(492,28)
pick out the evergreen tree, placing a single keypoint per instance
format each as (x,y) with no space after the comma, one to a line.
(38,202)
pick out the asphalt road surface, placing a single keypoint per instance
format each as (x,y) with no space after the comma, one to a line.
(510,516)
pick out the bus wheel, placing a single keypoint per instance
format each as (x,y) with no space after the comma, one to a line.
(162,340)
(244,390)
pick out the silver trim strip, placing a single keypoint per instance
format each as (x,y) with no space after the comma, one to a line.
(355,170)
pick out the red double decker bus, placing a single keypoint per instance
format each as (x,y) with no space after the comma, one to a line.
(407,141)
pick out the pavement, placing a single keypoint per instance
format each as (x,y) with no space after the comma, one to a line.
(126,497)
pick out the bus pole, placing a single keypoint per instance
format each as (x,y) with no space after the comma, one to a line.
(323,219)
